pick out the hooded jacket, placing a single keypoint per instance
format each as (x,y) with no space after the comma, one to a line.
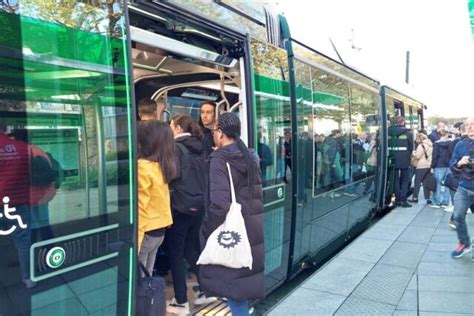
(238,284)
(400,145)
(424,154)
(441,154)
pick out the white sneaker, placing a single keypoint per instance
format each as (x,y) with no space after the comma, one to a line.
(201,299)
(449,208)
(173,307)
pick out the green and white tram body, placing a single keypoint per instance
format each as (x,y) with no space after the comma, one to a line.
(71,76)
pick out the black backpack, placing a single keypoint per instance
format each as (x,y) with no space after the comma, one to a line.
(187,192)
(41,171)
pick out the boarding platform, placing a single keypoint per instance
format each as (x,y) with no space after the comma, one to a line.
(402,265)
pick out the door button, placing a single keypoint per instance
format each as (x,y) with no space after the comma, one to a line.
(55,257)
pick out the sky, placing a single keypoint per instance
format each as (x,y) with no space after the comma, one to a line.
(374,35)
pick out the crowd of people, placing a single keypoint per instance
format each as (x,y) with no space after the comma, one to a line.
(184,195)
(443,162)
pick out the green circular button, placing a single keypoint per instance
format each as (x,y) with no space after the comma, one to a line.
(55,257)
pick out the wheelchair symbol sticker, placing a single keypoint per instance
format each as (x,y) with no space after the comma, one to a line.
(7,213)
(55,257)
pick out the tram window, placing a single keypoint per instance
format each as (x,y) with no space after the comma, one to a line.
(332,125)
(365,124)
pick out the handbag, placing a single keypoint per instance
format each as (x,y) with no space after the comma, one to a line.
(429,181)
(150,294)
(229,245)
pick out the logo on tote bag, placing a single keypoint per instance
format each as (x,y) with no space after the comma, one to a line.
(228,239)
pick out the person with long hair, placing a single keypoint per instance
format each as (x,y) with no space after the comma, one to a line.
(237,285)
(187,205)
(422,155)
(156,168)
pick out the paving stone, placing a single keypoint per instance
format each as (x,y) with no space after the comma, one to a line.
(385,284)
(456,284)
(413,285)
(441,247)
(331,280)
(366,249)
(457,267)
(384,231)
(417,234)
(445,302)
(398,218)
(359,306)
(409,301)
(308,302)
(428,218)
(405,313)
(404,254)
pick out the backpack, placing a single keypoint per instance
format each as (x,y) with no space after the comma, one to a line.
(187,192)
(41,171)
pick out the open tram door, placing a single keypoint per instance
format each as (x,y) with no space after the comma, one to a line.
(180,69)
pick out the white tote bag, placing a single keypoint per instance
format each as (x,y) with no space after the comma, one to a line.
(229,244)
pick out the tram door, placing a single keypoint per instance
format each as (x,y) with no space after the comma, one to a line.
(66,218)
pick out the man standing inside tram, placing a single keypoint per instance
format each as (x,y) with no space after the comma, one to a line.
(207,121)
(400,142)
(462,163)
(147,110)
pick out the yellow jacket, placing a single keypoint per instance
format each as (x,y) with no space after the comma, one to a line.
(154,209)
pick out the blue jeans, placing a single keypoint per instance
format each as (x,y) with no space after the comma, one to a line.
(441,197)
(462,200)
(238,308)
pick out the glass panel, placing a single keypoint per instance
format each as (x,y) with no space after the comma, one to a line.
(66,225)
(365,123)
(332,124)
(272,103)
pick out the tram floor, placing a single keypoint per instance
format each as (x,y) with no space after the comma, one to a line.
(401,265)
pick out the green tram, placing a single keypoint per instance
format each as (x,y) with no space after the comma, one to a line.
(71,75)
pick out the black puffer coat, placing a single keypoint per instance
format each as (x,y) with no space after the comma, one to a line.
(236,284)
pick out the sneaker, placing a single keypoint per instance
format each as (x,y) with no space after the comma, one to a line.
(405,204)
(452,224)
(173,307)
(461,250)
(428,202)
(201,299)
(444,205)
(413,200)
(449,208)
(435,205)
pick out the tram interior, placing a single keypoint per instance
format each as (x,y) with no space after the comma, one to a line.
(180,85)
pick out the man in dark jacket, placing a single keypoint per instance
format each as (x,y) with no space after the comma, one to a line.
(435,135)
(440,164)
(207,121)
(462,162)
(400,143)
(237,285)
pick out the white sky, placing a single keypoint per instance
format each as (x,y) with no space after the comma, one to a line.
(437,33)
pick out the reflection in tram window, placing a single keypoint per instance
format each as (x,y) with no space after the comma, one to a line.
(332,122)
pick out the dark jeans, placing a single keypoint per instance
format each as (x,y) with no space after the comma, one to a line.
(420,175)
(182,241)
(402,179)
(462,200)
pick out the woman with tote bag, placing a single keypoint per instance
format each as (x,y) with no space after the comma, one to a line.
(232,271)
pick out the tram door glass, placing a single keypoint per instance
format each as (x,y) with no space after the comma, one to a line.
(66,221)
(365,140)
(274,138)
